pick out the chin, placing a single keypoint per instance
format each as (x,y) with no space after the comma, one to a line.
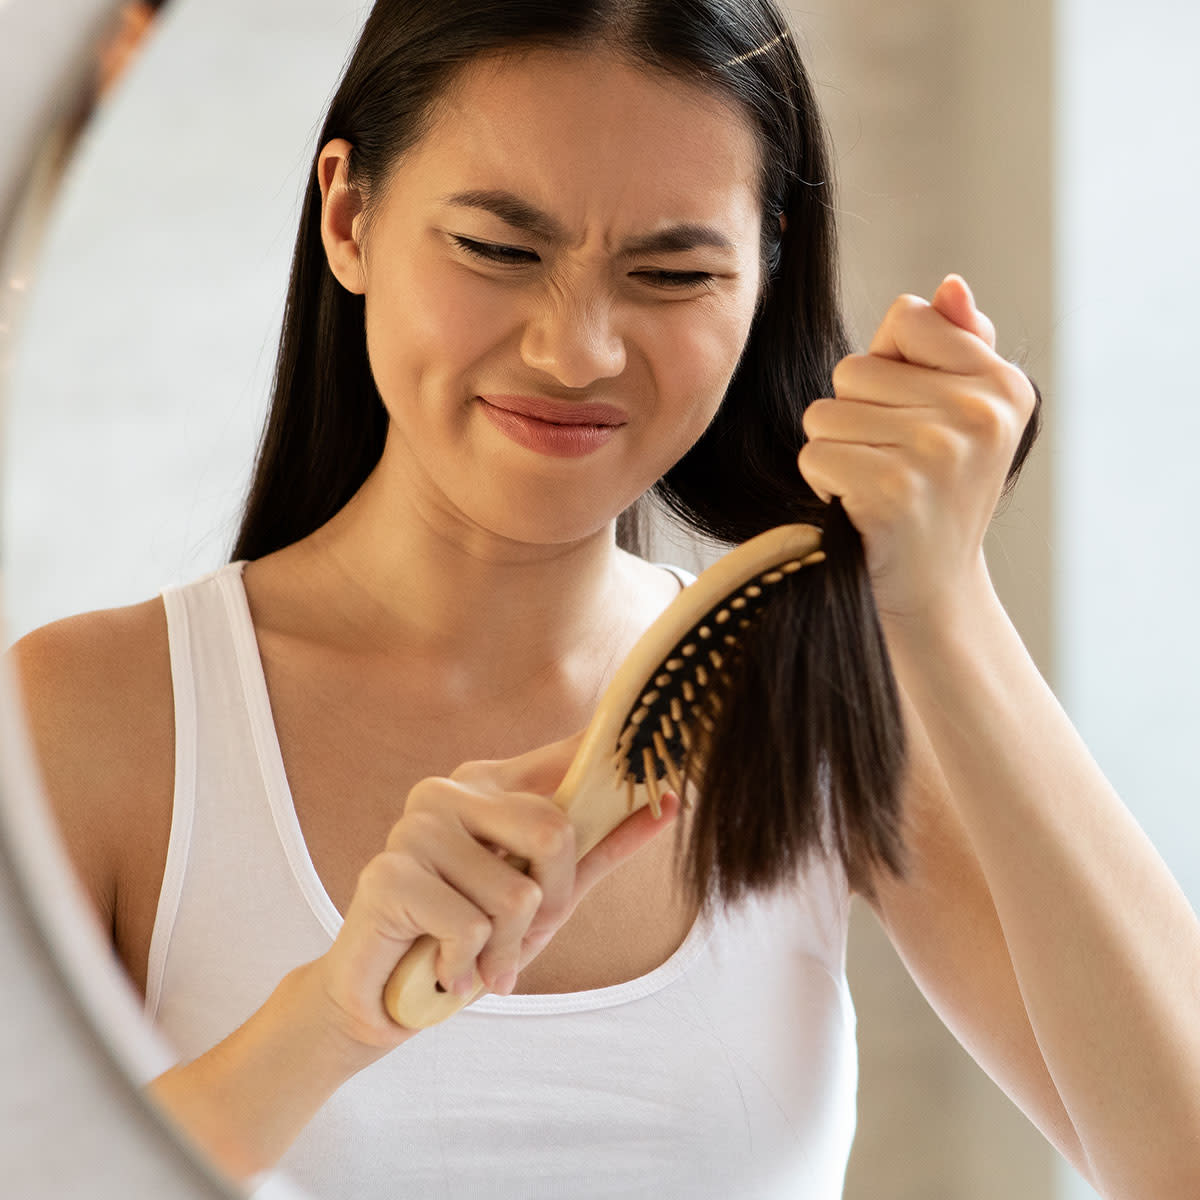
(543,521)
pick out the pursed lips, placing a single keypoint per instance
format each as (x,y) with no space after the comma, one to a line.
(554,428)
(559,412)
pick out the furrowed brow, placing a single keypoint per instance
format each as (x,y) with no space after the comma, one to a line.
(512,210)
(520,214)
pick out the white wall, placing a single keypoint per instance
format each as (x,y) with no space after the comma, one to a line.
(1128,261)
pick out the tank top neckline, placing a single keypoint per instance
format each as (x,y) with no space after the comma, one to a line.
(287,825)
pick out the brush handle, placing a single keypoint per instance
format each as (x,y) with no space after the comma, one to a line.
(413,997)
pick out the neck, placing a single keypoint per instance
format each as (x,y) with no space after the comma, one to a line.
(390,578)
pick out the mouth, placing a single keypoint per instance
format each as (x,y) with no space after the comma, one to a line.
(559,412)
(553,428)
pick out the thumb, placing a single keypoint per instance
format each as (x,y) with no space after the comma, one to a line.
(539,770)
(954,301)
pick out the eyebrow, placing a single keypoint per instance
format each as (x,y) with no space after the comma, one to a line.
(520,214)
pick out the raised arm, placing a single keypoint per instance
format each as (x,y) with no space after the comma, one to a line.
(1102,944)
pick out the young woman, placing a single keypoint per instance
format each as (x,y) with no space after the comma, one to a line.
(555,256)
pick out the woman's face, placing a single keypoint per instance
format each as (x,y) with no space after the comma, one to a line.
(541,368)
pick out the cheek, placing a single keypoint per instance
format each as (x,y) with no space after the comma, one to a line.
(426,325)
(697,359)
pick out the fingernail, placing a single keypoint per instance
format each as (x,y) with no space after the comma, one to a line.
(464,985)
(505,983)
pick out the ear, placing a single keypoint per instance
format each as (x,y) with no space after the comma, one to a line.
(341,213)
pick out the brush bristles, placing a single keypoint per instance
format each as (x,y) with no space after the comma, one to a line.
(667,729)
(820,723)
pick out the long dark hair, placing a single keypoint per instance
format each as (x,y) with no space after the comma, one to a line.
(808,753)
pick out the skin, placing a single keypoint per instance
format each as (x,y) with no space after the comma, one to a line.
(464,607)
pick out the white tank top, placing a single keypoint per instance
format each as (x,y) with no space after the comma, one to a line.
(728,1072)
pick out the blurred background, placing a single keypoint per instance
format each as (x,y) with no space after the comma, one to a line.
(1045,149)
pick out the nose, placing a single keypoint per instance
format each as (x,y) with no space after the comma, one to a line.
(574,339)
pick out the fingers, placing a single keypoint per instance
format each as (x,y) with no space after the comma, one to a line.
(949,334)
(955,301)
(397,900)
(892,382)
(948,391)
(538,770)
(449,871)
(479,907)
(871,481)
(624,841)
(931,421)
(880,401)
(457,833)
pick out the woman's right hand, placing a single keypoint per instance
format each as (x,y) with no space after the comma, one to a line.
(444,872)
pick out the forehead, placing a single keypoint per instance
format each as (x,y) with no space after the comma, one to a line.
(589,136)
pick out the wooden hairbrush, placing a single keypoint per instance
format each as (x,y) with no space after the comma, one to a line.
(650,725)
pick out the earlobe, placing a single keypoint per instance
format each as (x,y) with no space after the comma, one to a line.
(341,210)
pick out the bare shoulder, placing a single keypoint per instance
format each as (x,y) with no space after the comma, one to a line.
(98,700)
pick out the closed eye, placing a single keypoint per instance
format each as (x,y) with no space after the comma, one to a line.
(493,253)
(678,279)
(513,256)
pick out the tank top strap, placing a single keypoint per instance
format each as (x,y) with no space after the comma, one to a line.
(231,897)
(682,574)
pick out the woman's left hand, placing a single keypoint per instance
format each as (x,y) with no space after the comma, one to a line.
(917,444)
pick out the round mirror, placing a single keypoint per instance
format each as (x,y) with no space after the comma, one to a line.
(74,1046)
